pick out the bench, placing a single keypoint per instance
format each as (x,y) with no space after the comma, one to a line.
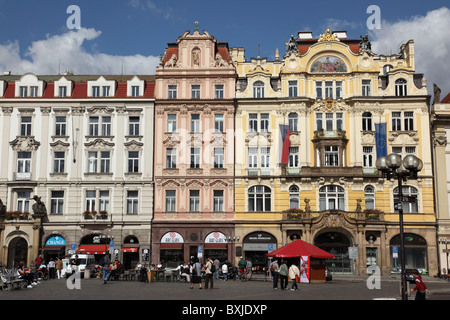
(9,281)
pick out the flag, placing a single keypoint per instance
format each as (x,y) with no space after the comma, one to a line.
(283,144)
(380,139)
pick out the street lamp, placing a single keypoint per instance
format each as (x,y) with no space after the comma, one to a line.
(394,167)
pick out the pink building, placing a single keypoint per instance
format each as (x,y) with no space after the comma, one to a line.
(194,151)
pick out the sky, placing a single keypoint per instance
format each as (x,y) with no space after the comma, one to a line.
(128,36)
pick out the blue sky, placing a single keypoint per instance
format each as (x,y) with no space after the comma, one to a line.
(34,33)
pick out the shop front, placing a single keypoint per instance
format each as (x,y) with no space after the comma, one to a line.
(54,247)
(96,244)
(216,246)
(415,253)
(171,250)
(130,252)
(255,247)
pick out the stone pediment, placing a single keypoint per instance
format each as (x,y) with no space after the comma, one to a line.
(25,143)
(99,143)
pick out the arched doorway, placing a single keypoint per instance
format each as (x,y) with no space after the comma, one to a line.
(415,253)
(337,244)
(17,252)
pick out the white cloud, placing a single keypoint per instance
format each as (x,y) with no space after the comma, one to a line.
(66,50)
(432,44)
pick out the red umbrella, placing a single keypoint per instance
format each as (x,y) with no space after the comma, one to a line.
(299,248)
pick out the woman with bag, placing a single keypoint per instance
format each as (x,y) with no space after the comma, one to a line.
(294,274)
(196,274)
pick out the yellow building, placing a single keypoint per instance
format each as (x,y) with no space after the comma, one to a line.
(344,106)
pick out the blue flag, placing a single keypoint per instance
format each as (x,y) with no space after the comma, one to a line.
(380,139)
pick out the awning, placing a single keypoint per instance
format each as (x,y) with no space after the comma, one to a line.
(299,248)
(177,245)
(93,249)
(215,245)
(130,249)
(53,248)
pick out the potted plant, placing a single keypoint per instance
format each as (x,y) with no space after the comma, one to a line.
(103,214)
(87,214)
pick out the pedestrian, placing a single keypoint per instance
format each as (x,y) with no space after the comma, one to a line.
(58,267)
(420,287)
(274,270)
(284,273)
(225,271)
(38,261)
(209,273)
(249,268)
(105,262)
(217,266)
(185,271)
(51,269)
(196,276)
(294,274)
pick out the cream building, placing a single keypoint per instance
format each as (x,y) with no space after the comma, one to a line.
(78,143)
(332,92)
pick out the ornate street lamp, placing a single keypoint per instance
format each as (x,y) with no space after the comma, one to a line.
(394,167)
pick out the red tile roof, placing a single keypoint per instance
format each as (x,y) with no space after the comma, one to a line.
(446,99)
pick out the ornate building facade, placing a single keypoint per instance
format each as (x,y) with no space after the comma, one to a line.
(344,106)
(82,148)
(194,151)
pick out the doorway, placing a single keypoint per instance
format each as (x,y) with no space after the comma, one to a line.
(17,252)
(337,244)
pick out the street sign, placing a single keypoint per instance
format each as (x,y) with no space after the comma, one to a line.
(111,243)
(394,252)
(353,252)
(270,247)
(73,246)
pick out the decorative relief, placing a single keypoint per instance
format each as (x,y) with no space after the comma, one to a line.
(25,143)
(328,36)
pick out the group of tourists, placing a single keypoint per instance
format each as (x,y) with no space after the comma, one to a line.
(283,272)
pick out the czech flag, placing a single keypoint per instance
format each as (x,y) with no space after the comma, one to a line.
(283,144)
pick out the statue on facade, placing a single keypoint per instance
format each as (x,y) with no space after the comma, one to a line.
(437,94)
(39,207)
(291,46)
(2,209)
(172,62)
(365,45)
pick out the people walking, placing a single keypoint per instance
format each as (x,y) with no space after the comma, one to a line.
(196,275)
(420,287)
(58,267)
(249,268)
(274,270)
(284,273)
(209,274)
(105,263)
(51,269)
(217,266)
(294,274)
(225,271)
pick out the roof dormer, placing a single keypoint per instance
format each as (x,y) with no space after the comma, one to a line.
(29,86)
(135,87)
(101,88)
(63,88)
(2,88)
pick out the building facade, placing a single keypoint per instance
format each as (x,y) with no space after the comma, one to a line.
(344,106)
(440,125)
(76,170)
(194,151)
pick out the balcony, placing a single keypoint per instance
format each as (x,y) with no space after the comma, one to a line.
(94,215)
(22,176)
(253,172)
(320,134)
(17,215)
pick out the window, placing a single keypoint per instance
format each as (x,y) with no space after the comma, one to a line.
(259,199)
(218,91)
(33,91)
(134,126)
(293,122)
(24,162)
(135,91)
(333,121)
(331,156)
(318,89)
(195,123)
(106,126)
(339,121)
(172,94)
(133,161)
(293,157)
(410,150)
(411,204)
(105,160)
(96,91)
(218,123)
(62,91)
(23,92)
(369,197)
(338,89)
(253,122)
(171,123)
(265,157)
(194,200)
(258,89)
(93,126)
(293,89)
(60,128)
(57,202)
(319,123)
(90,200)
(171,158)
(396,121)
(368,157)
(58,166)
(106,91)
(294,197)
(264,122)
(132,202)
(408,118)
(195,158)
(328,89)
(171,200)
(331,198)
(92,162)
(218,200)
(195,92)
(23,201)
(252,157)
(366,88)
(367,121)
(104,200)
(400,88)
(25,126)
(218,157)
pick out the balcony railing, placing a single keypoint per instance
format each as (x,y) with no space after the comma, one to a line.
(22,176)
(95,215)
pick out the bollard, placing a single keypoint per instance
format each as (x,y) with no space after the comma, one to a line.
(87,274)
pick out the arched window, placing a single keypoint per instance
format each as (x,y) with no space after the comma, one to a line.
(293,122)
(400,88)
(331,198)
(367,121)
(410,194)
(258,89)
(369,197)
(259,199)
(294,197)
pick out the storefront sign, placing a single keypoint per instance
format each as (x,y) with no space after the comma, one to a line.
(172,237)
(56,241)
(260,237)
(216,237)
